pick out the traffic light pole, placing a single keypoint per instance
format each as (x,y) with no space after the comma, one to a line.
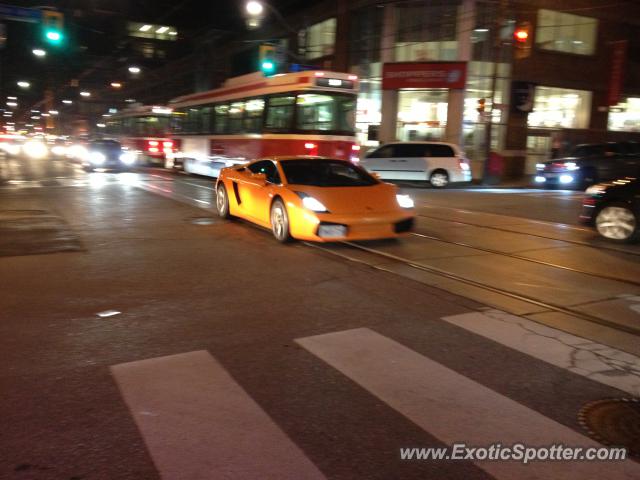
(496,46)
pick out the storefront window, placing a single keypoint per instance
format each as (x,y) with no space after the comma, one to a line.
(625,117)
(422,114)
(319,39)
(565,32)
(560,107)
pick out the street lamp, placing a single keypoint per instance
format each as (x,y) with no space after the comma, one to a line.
(67,102)
(85,94)
(23,84)
(134,70)
(254,8)
(38,52)
(116,85)
(12,104)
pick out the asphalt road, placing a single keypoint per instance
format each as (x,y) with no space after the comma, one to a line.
(149,339)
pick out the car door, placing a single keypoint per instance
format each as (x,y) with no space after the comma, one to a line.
(378,161)
(398,161)
(256,192)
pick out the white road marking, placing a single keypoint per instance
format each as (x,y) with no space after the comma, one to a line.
(199,424)
(454,408)
(598,362)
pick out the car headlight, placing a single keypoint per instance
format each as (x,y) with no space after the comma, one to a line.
(128,158)
(35,149)
(405,201)
(97,158)
(566,178)
(58,150)
(311,203)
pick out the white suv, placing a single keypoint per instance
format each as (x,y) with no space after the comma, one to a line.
(437,162)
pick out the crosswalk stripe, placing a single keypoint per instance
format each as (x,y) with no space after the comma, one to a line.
(454,408)
(584,357)
(199,424)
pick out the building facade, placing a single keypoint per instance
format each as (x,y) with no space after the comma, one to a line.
(574,79)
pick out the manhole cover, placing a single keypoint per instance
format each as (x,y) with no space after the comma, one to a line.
(203,221)
(614,422)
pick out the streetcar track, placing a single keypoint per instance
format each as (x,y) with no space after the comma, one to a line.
(500,229)
(527,259)
(452,276)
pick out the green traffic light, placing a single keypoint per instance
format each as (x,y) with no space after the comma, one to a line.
(268,67)
(53,36)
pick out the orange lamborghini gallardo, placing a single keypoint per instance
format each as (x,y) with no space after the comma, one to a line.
(313,198)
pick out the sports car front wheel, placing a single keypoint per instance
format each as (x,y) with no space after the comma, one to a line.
(222,202)
(280,222)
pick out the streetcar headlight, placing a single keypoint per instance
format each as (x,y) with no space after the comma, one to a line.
(405,201)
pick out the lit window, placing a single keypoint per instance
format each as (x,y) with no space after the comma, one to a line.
(625,117)
(155,32)
(319,39)
(560,107)
(565,32)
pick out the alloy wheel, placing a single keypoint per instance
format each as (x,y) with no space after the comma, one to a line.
(616,223)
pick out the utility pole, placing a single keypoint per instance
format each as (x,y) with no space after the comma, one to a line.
(496,49)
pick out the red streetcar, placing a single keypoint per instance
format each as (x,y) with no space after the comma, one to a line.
(252,116)
(146,130)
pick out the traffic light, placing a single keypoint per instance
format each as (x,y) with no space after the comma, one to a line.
(522,40)
(481,105)
(267,58)
(52,27)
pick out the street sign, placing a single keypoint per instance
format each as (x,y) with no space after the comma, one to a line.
(20,14)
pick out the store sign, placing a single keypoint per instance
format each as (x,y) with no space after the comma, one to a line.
(618,57)
(424,75)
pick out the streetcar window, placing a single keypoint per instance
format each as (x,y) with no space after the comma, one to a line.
(192,122)
(236,112)
(325,112)
(253,115)
(177,121)
(280,112)
(205,119)
(221,119)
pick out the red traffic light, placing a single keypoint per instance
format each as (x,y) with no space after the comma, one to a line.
(521,35)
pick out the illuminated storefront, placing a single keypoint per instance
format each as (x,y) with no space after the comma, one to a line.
(560,108)
(625,116)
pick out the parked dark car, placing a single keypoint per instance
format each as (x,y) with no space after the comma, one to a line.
(590,164)
(107,155)
(614,209)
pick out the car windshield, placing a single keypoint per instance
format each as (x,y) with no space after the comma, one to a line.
(106,145)
(326,173)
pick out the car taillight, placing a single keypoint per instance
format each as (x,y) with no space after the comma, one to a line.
(464,165)
(168,144)
(154,149)
(153,143)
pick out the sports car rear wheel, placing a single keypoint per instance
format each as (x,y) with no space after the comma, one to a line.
(280,222)
(222,202)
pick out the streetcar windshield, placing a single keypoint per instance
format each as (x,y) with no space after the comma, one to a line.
(326,112)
